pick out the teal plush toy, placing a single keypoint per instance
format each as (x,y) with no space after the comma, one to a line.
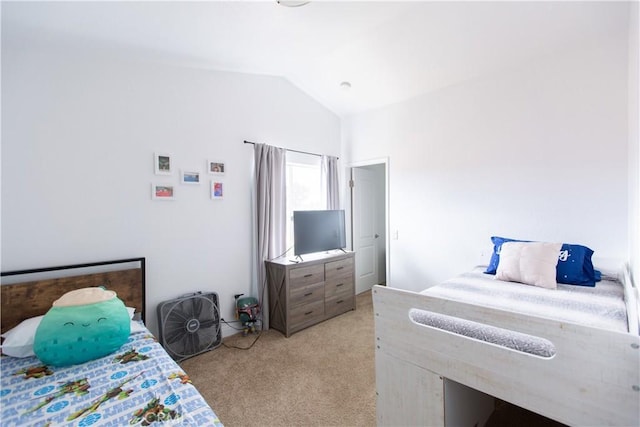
(82,325)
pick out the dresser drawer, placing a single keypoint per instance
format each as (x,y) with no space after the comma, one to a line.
(306,294)
(335,306)
(303,315)
(339,269)
(339,287)
(303,276)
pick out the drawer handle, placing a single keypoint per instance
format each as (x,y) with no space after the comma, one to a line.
(310,293)
(339,284)
(339,268)
(308,313)
(339,302)
(308,275)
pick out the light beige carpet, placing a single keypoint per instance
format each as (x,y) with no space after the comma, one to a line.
(321,376)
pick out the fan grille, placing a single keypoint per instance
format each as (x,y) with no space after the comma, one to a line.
(190,325)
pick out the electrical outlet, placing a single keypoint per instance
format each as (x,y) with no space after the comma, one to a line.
(395,235)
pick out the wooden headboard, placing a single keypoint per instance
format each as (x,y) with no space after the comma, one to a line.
(23,300)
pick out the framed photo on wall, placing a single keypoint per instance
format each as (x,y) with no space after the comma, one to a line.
(162,164)
(215,167)
(162,191)
(190,177)
(217,191)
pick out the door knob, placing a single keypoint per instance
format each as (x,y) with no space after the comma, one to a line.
(377,235)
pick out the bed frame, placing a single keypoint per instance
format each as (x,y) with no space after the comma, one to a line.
(593,379)
(20,301)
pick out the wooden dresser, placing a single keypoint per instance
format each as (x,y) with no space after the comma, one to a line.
(305,293)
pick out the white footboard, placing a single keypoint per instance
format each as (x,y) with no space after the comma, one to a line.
(592,379)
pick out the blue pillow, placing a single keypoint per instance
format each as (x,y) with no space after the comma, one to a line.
(495,256)
(574,263)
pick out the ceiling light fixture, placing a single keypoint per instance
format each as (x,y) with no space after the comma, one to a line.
(345,85)
(292,3)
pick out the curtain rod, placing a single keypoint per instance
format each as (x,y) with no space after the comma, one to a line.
(293,151)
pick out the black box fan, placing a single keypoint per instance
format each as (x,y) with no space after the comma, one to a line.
(190,325)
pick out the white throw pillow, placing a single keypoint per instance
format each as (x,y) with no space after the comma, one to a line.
(18,342)
(531,263)
(137,326)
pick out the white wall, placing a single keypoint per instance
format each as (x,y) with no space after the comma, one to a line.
(634,140)
(534,152)
(78,136)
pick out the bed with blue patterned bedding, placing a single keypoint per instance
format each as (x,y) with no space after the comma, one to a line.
(139,385)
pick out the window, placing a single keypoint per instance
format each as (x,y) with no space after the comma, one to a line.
(304,187)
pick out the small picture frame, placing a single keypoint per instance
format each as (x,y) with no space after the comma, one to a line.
(162,191)
(162,164)
(217,190)
(215,167)
(190,177)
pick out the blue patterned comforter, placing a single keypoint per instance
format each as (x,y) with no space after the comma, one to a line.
(138,385)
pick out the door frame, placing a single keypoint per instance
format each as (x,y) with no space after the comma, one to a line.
(378,161)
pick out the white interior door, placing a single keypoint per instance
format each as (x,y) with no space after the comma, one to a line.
(365,239)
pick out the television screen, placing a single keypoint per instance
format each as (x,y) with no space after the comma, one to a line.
(316,231)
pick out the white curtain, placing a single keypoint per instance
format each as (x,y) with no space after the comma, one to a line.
(330,185)
(270,204)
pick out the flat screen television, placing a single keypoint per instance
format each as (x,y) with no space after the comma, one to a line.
(317,231)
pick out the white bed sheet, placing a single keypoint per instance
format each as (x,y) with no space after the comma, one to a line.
(602,306)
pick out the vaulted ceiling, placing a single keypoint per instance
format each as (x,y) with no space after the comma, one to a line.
(388,51)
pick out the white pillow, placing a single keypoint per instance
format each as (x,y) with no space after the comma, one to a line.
(531,263)
(18,342)
(137,326)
